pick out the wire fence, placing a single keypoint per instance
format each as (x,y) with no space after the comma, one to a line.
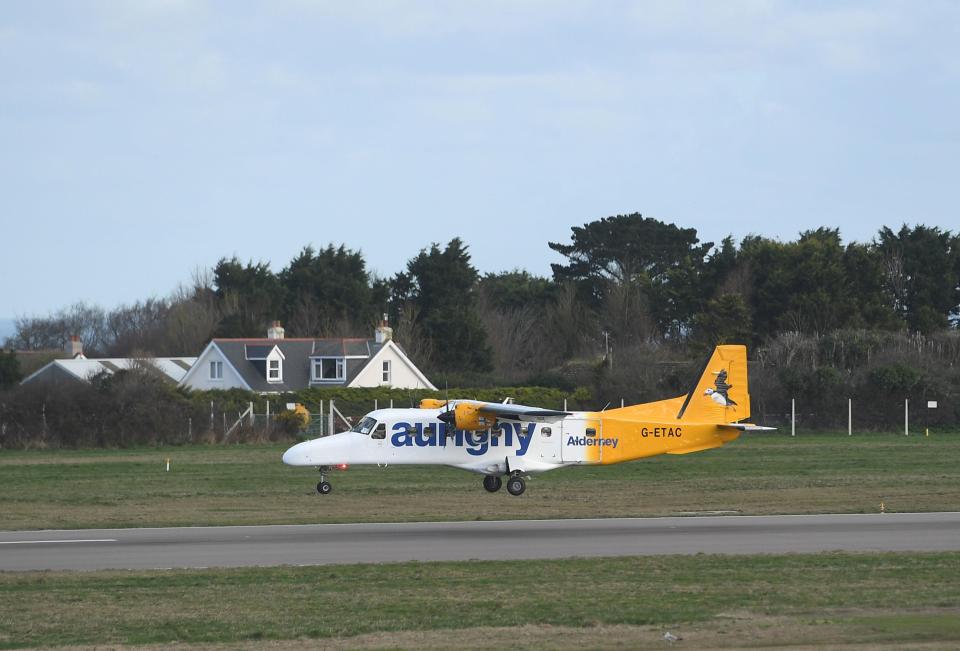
(273,419)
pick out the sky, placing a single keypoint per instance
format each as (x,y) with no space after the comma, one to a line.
(142,140)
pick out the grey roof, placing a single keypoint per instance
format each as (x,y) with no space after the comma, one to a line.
(297,354)
(81,368)
(344,347)
(256,351)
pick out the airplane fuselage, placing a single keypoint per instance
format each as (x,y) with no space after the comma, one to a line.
(418,436)
(510,440)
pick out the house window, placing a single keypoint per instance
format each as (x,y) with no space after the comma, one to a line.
(386,371)
(216,370)
(329,369)
(274,371)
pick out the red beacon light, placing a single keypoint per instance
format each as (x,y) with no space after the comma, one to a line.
(342,466)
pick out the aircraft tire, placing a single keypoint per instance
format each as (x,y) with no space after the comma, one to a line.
(324,488)
(516,485)
(492,483)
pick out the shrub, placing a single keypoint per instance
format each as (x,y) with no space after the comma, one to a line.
(895,378)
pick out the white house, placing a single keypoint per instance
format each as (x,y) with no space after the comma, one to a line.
(277,364)
(82,369)
(79,368)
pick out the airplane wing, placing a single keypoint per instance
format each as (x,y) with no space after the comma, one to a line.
(476,415)
(518,412)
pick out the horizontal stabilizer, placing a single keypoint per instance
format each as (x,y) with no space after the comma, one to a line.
(747,427)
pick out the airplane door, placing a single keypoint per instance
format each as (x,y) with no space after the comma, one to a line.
(381,450)
(549,439)
(574,431)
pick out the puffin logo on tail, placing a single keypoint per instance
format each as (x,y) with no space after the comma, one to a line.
(719,394)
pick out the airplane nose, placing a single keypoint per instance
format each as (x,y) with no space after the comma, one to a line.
(297,455)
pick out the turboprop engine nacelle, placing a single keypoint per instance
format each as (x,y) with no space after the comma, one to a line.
(466,416)
(432,403)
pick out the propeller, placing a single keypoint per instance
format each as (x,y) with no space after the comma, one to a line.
(447,416)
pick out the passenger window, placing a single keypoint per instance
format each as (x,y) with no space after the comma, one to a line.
(380,432)
(591,431)
(546,432)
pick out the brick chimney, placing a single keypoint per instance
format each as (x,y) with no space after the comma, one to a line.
(275,331)
(384,332)
(74,347)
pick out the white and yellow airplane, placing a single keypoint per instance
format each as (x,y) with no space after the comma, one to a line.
(514,441)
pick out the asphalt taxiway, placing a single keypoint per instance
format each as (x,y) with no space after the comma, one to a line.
(186,547)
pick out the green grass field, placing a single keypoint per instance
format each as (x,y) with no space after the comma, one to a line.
(831,600)
(758,474)
(855,601)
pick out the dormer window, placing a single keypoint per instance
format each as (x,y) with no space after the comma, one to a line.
(275,370)
(267,359)
(329,369)
(216,370)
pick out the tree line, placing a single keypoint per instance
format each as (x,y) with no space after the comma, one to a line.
(623,316)
(625,282)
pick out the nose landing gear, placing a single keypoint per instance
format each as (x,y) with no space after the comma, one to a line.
(324,487)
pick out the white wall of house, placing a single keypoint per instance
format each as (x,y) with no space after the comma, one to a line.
(402,374)
(199,376)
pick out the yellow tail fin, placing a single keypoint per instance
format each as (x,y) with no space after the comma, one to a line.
(720,394)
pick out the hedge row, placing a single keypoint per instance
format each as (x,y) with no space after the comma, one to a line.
(133,408)
(136,408)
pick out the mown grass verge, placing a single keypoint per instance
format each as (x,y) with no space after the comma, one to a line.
(209,485)
(826,599)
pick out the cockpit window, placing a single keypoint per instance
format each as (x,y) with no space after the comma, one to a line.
(365,426)
(380,432)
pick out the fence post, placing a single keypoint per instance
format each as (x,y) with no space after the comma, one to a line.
(330,430)
(793,416)
(564,404)
(211,415)
(375,404)
(251,414)
(190,428)
(906,416)
(622,404)
(849,416)
(321,418)
(391,403)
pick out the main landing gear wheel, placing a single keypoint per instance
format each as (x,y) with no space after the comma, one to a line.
(516,485)
(492,483)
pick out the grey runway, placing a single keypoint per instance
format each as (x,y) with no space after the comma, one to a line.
(187,547)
